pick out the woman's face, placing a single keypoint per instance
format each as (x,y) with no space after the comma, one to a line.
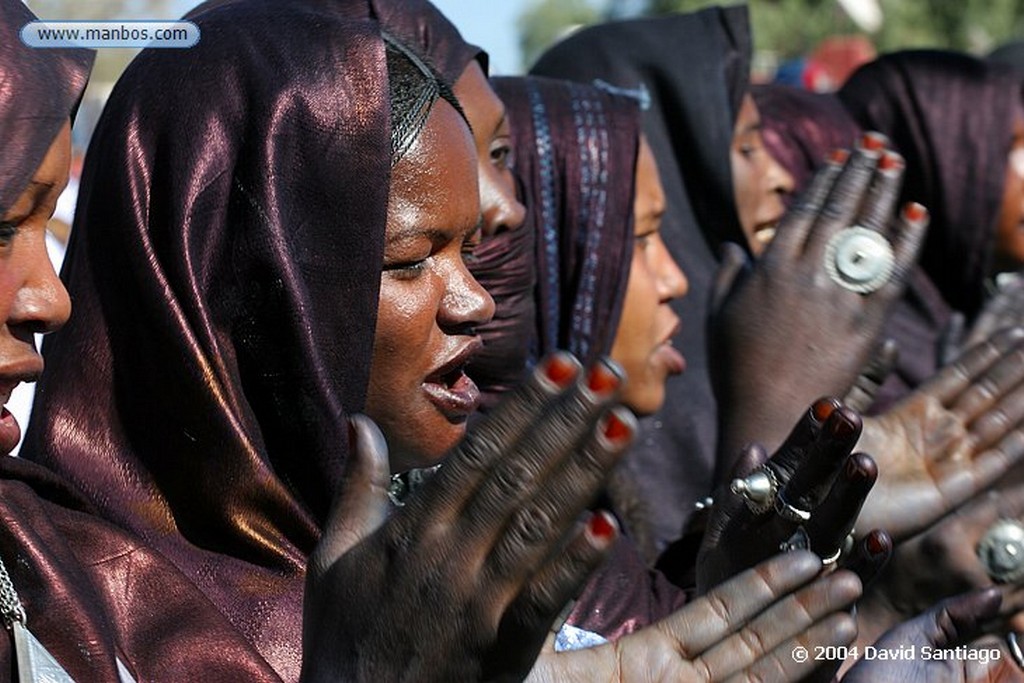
(643,340)
(1009,249)
(429,303)
(759,182)
(486,113)
(32,298)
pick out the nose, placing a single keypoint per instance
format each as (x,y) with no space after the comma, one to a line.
(500,207)
(41,304)
(672,282)
(465,304)
(780,180)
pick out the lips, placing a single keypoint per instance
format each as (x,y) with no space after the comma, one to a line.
(448,387)
(668,355)
(765,233)
(10,377)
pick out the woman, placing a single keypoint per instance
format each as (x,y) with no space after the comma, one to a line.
(960,162)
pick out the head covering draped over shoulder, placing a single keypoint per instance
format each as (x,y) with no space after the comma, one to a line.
(692,70)
(800,128)
(421,26)
(225,266)
(951,116)
(39,89)
(91,591)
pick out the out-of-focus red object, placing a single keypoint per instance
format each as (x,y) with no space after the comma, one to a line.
(835,58)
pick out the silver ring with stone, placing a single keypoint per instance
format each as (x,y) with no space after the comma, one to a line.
(759,489)
(859,259)
(789,512)
(1001,551)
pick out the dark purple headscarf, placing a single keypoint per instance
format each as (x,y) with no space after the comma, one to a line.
(224,268)
(575,149)
(800,128)
(693,70)
(951,117)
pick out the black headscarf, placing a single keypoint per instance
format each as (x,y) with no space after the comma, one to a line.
(224,268)
(951,117)
(693,70)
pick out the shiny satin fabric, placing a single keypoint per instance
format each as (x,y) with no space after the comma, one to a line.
(951,117)
(421,26)
(800,128)
(38,91)
(693,70)
(224,268)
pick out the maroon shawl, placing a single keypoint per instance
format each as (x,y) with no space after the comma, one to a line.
(224,268)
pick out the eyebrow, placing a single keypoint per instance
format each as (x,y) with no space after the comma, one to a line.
(752,127)
(434,234)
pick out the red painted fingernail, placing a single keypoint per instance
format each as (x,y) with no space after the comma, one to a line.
(914,212)
(890,162)
(876,543)
(842,426)
(822,408)
(615,429)
(873,142)
(602,525)
(560,370)
(602,380)
(839,156)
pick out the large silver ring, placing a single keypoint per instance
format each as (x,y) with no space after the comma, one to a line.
(1001,551)
(859,259)
(789,512)
(759,489)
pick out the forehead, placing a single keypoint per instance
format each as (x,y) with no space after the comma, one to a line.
(483,106)
(435,184)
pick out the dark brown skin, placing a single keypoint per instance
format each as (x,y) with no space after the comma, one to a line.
(464,582)
(816,473)
(782,331)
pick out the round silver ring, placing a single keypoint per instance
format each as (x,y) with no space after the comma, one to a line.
(859,259)
(784,509)
(759,489)
(1001,551)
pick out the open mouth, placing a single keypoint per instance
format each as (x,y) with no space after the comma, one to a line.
(764,234)
(451,390)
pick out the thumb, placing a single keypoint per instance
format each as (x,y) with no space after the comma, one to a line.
(361,505)
(954,621)
(951,343)
(734,262)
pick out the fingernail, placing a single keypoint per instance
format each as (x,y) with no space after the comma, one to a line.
(842,426)
(616,429)
(876,544)
(852,470)
(602,380)
(873,142)
(822,408)
(914,212)
(839,156)
(890,162)
(561,370)
(602,526)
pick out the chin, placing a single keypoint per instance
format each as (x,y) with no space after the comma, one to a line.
(646,400)
(423,445)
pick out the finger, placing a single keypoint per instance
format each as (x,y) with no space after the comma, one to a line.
(531,467)
(781,664)
(834,519)
(998,421)
(732,604)
(734,261)
(362,503)
(794,449)
(880,203)
(862,394)
(531,615)
(786,619)
(951,622)
(951,344)
(910,230)
(751,457)
(991,386)
(793,228)
(489,444)
(540,522)
(847,197)
(1006,309)
(957,482)
(869,557)
(951,381)
(815,475)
